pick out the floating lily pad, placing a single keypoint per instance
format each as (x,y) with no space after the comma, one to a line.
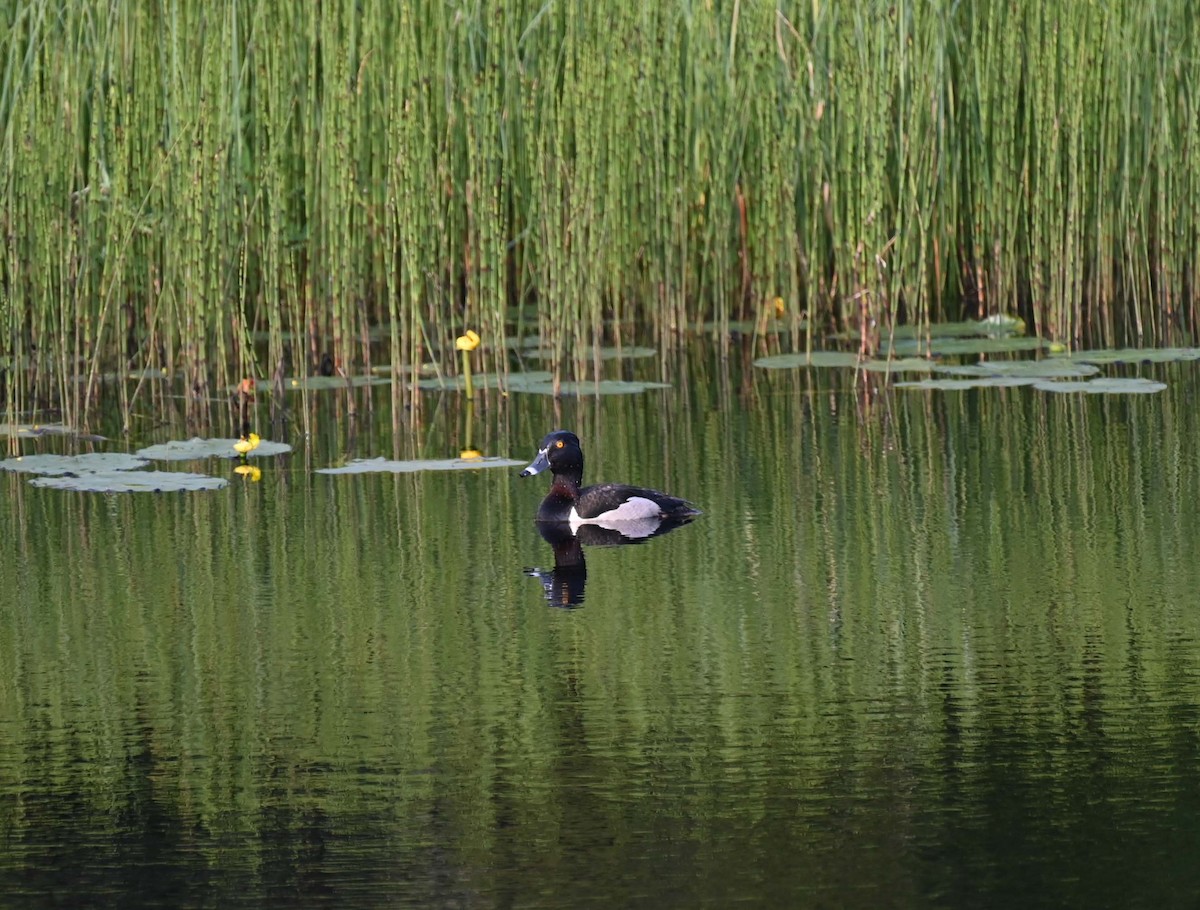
(1028,369)
(389,466)
(897,365)
(512,382)
(632,352)
(324,383)
(584,389)
(998,325)
(959,346)
(40,429)
(1105,385)
(192,449)
(1001,322)
(132,482)
(149,374)
(1135,355)
(90,463)
(815,359)
(845,359)
(385,369)
(956,385)
(157,373)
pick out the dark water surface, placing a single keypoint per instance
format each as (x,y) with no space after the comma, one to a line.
(922,650)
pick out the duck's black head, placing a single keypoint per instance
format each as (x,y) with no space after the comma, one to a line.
(560,452)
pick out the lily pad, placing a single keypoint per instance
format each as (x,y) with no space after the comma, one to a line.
(585,389)
(998,325)
(960,346)
(155,373)
(89,463)
(40,429)
(956,385)
(385,370)
(512,382)
(132,482)
(815,359)
(389,466)
(630,352)
(324,383)
(897,365)
(1135,355)
(1001,322)
(1027,369)
(192,449)
(1105,385)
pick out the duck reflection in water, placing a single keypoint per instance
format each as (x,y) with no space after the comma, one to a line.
(565,583)
(601,515)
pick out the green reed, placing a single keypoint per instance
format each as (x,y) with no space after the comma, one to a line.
(249,188)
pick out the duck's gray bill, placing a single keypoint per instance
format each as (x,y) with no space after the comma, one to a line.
(539,464)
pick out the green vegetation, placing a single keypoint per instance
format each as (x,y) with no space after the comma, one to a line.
(365,180)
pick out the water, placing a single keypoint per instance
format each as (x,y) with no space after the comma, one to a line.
(921,650)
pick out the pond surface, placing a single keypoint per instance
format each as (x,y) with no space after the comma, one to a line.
(924,648)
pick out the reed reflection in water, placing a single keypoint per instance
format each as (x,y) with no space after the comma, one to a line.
(921,650)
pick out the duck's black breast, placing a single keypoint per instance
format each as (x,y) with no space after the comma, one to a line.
(618,501)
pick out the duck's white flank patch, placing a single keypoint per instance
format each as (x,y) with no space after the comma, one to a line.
(635,508)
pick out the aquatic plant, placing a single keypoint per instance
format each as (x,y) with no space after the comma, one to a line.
(247,444)
(249,472)
(131,482)
(87,463)
(353,181)
(466,344)
(197,449)
(468,460)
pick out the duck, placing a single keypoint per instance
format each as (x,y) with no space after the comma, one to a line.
(609,505)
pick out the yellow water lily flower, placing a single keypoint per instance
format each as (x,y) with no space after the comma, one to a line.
(247,444)
(251,472)
(467,342)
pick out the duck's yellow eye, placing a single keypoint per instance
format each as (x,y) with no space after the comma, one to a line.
(559,444)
